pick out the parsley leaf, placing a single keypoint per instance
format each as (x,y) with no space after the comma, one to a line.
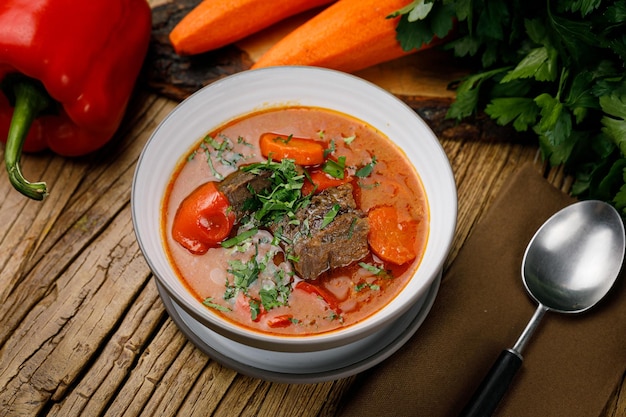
(414,31)
(284,196)
(614,123)
(522,111)
(335,169)
(553,69)
(330,215)
(211,304)
(367,169)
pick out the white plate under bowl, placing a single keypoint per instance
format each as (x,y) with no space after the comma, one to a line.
(303,367)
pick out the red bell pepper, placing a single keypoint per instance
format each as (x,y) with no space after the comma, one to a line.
(318,181)
(68,69)
(203,220)
(320,292)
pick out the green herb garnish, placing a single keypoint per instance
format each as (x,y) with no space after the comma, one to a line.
(211,304)
(255,308)
(283,197)
(335,169)
(240,238)
(376,270)
(331,148)
(220,152)
(244,273)
(366,170)
(274,296)
(554,69)
(371,268)
(361,286)
(330,215)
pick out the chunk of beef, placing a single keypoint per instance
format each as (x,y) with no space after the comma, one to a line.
(237,186)
(339,243)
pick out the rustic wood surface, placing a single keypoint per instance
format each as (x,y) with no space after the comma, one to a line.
(84,332)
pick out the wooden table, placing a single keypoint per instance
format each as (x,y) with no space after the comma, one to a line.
(84,331)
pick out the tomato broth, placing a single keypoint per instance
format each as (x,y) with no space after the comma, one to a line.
(275,299)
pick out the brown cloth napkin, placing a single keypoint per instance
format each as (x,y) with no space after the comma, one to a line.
(572,364)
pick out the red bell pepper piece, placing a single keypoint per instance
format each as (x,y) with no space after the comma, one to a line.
(319,181)
(284,320)
(76,64)
(203,219)
(320,292)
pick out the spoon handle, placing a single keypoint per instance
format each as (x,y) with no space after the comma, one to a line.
(494,385)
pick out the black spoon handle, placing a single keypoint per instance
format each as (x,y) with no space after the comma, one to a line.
(493,387)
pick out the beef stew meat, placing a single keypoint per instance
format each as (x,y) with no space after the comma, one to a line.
(320,247)
(238,185)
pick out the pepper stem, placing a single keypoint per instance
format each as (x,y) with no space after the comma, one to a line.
(29,102)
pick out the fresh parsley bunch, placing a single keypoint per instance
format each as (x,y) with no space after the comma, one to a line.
(552,67)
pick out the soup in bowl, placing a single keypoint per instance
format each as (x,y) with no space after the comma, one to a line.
(294,208)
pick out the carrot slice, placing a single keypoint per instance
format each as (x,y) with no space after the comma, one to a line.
(216,23)
(303,151)
(389,239)
(348,35)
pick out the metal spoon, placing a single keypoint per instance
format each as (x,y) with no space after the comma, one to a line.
(569,265)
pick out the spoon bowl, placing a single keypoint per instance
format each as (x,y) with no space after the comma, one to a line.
(570,264)
(574,258)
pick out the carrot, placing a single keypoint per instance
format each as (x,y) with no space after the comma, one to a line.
(389,239)
(348,36)
(303,151)
(216,23)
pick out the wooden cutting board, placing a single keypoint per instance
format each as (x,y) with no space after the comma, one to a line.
(423,80)
(427,74)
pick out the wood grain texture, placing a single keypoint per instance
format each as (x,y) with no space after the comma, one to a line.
(84,332)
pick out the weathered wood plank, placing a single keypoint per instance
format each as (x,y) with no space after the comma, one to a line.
(71,322)
(152,366)
(102,380)
(208,391)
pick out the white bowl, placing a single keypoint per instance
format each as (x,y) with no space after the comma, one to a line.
(250,91)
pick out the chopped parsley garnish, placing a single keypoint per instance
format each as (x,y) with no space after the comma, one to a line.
(371,268)
(334,316)
(376,270)
(274,296)
(330,215)
(367,169)
(284,197)
(244,273)
(361,286)
(282,139)
(351,228)
(211,304)
(255,309)
(220,152)
(335,169)
(240,238)
(330,150)
(275,282)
